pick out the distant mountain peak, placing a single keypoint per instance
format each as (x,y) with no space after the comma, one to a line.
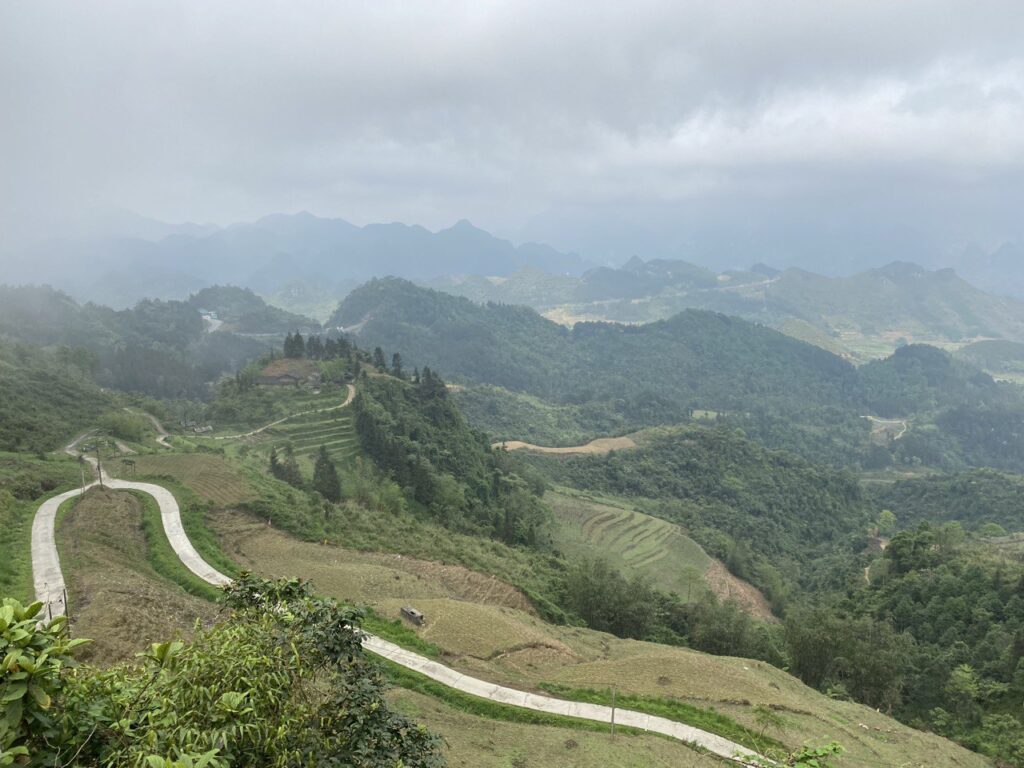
(898,269)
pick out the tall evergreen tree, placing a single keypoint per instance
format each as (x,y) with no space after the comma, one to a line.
(396,366)
(325,477)
(287,470)
(378,359)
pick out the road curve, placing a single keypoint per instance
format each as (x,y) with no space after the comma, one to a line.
(161,433)
(348,400)
(50,589)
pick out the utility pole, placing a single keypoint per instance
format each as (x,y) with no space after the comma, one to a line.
(99,464)
(613,713)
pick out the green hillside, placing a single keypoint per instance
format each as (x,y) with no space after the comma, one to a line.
(1003,359)
(865,315)
(158,348)
(546,383)
(696,359)
(767,514)
(44,400)
(243,311)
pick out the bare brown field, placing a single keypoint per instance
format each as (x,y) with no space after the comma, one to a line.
(364,577)
(212,477)
(726,586)
(115,596)
(600,446)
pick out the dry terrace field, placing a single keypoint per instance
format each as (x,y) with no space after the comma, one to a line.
(212,477)
(482,632)
(646,545)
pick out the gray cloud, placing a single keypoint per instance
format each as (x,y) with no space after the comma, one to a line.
(515,113)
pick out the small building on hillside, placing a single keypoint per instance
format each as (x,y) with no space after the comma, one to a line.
(416,617)
(288,372)
(281,380)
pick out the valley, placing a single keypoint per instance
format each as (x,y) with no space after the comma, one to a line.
(516,385)
(674,564)
(537,655)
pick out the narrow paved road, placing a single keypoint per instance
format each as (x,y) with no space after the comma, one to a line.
(50,589)
(348,399)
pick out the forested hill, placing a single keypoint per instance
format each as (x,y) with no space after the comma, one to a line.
(44,399)
(242,310)
(863,315)
(600,377)
(158,348)
(695,359)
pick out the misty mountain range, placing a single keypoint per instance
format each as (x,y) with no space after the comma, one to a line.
(269,253)
(150,259)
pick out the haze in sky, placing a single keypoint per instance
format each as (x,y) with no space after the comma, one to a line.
(804,132)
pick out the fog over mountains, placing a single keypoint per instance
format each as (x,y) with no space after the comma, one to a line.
(142,258)
(270,253)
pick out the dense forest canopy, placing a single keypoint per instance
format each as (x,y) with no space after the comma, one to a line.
(601,377)
(158,348)
(243,311)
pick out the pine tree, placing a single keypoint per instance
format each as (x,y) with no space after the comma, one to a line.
(325,477)
(396,366)
(378,359)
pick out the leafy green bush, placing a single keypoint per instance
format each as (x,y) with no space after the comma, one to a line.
(281,682)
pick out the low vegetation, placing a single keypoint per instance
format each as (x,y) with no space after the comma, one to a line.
(25,480)
(264,686)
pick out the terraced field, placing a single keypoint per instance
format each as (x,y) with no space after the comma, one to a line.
(635,541)
(210,476)
(642,544)
(334,430)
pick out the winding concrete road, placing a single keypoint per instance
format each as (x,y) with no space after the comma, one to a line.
(348,400)
(50,589)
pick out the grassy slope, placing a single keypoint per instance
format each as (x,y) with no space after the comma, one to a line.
(113,572)
(632,540)
(471,742)
(487,636)
(29,480)
(641,544)
(120,600)
(479,624)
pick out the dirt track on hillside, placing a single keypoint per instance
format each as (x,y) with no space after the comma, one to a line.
(600,446)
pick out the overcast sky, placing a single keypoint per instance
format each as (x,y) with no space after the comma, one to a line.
(570,121)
